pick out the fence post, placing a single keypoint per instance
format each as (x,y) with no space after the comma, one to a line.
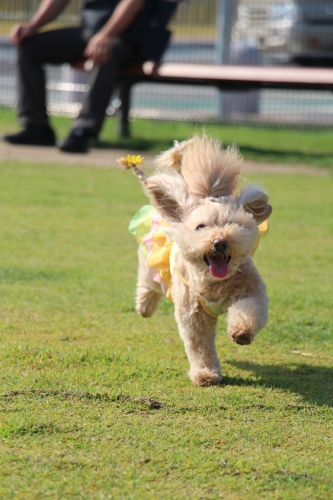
(224,21)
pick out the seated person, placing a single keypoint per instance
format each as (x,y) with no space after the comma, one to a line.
(112,34)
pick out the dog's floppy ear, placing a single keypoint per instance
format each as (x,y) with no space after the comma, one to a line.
(255,201)
(172,158)
(168,194)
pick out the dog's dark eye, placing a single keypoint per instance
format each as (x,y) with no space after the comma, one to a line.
(201,226)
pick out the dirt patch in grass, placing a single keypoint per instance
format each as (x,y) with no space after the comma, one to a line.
(105,158)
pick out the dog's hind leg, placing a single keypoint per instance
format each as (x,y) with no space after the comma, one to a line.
(148,293)
(147,301)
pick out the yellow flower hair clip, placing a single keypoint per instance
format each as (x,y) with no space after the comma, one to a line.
(130,161)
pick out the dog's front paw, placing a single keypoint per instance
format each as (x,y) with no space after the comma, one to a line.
(241,337)
(205,377)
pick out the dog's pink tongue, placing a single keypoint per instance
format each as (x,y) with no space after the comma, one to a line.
(217,266)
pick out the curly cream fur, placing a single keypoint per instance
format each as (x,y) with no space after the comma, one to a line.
(215,230)
(172,158)
(208,169)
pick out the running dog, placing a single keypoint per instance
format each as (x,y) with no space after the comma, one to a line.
(196,241)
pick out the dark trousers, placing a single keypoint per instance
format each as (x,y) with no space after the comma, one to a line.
(65,46)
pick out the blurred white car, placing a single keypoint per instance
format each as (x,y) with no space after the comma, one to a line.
(298,31)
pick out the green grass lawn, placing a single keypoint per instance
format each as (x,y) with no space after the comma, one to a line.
(277,145)
(78,365)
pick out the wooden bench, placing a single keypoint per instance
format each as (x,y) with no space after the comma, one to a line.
(221,77)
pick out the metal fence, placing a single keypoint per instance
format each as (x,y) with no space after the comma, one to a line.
(266,32)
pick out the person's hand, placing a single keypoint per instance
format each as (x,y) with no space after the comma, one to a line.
(99,48)
(83,64)
(20,32)
(79,64)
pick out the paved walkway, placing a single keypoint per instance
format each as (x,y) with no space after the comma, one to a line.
(108,158)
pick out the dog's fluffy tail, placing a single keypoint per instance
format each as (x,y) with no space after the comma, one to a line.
(208,169)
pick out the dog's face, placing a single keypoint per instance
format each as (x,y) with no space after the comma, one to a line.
(216,236)
(214,231)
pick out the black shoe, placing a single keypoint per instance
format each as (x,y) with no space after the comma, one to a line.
(76,142)
(32,136)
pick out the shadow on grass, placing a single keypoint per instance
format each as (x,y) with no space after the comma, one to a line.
(282,156)
(15,274)
(132,144)
(250,153)
(313,383)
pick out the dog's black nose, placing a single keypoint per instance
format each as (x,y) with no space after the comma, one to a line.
(220,246)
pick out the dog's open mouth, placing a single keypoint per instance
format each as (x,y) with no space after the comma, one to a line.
(218,264)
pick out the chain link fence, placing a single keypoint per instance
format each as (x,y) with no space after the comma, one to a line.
(260,33)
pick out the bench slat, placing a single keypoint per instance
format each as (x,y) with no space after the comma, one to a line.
(225,76)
